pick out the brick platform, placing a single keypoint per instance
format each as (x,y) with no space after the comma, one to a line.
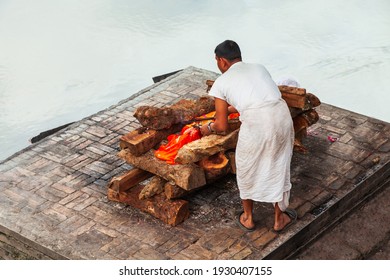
(53,202)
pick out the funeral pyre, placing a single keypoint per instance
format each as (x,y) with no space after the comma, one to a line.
(171,159)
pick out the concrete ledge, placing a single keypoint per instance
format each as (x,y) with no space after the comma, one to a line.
(15,246)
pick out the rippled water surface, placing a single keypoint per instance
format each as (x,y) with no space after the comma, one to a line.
(61,61)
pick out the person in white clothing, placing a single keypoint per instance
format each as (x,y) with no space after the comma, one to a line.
(266,137)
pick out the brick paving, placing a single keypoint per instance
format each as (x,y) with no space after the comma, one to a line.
(53,202)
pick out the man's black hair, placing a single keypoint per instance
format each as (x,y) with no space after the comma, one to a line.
(228,49)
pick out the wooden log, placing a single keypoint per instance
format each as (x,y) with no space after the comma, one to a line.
(215,166)
(155,186)
(292,90)
(301,123)
(209,84)
(187,176)
(313,100)
(171,212)
(296,97)
(295,112)
(298,145)
(206,146)
(182,111)
(304,120)
(311,117)
(232,159)
(294,100)
(126,181)
(172,191)
(141,140)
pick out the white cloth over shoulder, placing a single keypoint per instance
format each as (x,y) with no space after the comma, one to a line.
(266,137)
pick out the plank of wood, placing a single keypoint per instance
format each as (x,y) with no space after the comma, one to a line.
(206,146)
(171,212)
(294,100)
(141,140)
(187,176)
(128,180)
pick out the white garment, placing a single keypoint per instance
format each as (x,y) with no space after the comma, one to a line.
(245,85)
(285,202)
(287,81)
(266,137)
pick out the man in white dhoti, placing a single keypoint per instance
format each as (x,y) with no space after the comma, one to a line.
(266,136)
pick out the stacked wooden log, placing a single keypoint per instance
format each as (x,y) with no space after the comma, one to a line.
(159,188)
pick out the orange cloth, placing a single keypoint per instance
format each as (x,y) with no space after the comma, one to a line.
(169,151)
(188,134)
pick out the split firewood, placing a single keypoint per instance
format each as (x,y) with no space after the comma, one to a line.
(141,140)
(299,147)
(206,146)
(173,191)
(209,84)
(232,159)
(313,100)
(182,111)
(155,186)
(128,180)
(298,98)
(187,176)
(171,212)
(215,166)
(296,111)
(311,117)
(301,123)
(294,100)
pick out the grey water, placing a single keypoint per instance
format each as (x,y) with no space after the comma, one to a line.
(61,61)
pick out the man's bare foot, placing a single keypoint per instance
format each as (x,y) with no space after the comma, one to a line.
(286,219)
(244,222)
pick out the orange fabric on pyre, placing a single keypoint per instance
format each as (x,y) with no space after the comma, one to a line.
(189,133)
(169,151)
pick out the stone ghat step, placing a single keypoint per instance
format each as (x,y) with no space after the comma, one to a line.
(54,193)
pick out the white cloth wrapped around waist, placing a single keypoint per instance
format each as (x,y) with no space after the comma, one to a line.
(264,150)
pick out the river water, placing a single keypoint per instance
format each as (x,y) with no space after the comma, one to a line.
(63,60)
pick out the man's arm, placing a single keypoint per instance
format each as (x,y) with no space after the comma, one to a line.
(221,119)
(231,109)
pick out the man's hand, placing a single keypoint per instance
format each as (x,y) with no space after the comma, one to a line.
(205,130)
